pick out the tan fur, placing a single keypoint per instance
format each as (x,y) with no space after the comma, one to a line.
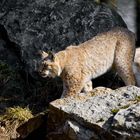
(77,65)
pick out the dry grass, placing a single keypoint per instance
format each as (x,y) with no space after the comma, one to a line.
(18,113)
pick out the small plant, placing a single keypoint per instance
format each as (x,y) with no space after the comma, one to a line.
(137,98)
(100,120)
(126,106)
(114,111)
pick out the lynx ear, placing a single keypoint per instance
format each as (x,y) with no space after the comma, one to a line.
(43,54)
(48,55)
(51,55)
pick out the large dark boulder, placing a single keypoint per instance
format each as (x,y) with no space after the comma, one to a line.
(53,25)
(27,26)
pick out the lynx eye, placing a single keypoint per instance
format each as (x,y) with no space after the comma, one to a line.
(44,66)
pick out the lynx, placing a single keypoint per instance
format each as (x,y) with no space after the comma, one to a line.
(77,65)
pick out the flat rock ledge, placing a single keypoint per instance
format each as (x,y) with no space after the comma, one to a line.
(102,114)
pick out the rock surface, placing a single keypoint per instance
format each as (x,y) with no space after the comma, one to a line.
(103,114)
(127,122)
(137,56)
(127,9)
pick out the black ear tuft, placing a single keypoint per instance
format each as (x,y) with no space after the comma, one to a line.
(51,55)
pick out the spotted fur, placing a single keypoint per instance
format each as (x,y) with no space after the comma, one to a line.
(77,65)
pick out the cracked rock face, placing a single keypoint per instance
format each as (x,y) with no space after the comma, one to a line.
(53,25)
(127,121)
(103,114)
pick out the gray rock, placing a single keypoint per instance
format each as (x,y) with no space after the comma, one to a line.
(53,25)
(77,132)
(127,9)
(102,114)
(127,122)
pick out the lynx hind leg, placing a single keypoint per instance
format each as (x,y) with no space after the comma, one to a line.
(87,87)
(123,61)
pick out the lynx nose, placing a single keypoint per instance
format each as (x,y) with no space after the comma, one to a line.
(39,72)
(42,74)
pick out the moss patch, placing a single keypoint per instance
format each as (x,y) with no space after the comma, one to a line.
(137,98)
(100,120)
(114,111)
(126,106)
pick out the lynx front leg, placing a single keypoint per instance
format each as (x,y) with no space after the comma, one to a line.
(87,87)
(71,88)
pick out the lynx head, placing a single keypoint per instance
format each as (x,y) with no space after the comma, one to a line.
(49,66)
